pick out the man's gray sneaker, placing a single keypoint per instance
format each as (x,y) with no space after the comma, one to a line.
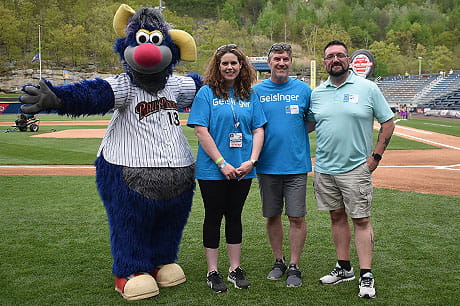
(366,286)
(337,275)
(279,267)
(294,276)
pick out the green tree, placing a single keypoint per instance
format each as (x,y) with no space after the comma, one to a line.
(194,8)
(450,39)
(100,44)
(10,37)
(68,44)
(212,35)
(325,35)
(403,39)
(270,22)
(251,9)
(441,59)
(387,57)
(382,18)
(359,37)
(257,23)
(231,11)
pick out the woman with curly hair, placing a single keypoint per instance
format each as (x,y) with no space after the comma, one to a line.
(229,124)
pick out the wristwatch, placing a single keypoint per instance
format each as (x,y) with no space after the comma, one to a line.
(254,162)
(377,157)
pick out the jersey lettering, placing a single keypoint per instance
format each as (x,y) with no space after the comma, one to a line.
(144,109)
(174,118)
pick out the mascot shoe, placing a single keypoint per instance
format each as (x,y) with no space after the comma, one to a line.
(169,275)
(137,286)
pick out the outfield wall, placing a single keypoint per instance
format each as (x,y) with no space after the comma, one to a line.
(442,113)
(9,105)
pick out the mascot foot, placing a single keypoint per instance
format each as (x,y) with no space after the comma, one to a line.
(169,275)
(136,286)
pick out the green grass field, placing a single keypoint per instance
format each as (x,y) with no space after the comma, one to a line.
(20,148)
(56,251)
(438,126)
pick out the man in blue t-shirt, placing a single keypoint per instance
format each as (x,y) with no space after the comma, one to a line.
(284,161)
(343,110)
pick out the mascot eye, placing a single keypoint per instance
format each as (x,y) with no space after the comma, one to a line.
(156,37)
(142,37)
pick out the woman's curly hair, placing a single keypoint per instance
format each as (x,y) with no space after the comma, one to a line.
(243,82)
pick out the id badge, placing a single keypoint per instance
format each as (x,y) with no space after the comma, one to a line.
(236,140)
(292,109)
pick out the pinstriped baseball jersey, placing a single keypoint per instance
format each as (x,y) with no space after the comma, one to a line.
(145,130)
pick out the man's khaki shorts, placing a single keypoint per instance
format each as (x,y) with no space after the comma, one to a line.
(351,190)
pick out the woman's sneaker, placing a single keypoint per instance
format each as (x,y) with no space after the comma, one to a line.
(237,278)
(337,275)
(279,267)
(215,282)
(366,286)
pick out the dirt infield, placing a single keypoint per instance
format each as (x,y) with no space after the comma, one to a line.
(434,171)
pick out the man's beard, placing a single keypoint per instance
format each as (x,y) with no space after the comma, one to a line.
(336,73)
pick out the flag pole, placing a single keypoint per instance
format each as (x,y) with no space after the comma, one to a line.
(40,51)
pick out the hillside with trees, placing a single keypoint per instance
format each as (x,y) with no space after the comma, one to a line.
(78,34)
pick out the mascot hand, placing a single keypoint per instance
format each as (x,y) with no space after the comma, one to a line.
(39,98)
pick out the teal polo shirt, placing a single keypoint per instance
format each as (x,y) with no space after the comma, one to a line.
(344,119)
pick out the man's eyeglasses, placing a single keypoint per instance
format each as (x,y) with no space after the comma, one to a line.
(280,47)
(332,56)
(228,47)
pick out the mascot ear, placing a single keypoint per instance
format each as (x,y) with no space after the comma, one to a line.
(120,20)
(186,44)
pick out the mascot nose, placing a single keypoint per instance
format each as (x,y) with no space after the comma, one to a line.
(147,55)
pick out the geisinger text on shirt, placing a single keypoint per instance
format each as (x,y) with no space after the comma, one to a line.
(279,97)
(217,101)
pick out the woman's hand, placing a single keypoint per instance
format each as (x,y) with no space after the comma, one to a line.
(244,169)
(229,171)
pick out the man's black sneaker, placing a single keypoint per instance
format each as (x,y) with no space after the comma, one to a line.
(279,267)
(237,278)
(215,282)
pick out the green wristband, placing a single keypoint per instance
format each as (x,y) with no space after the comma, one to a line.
(219,160)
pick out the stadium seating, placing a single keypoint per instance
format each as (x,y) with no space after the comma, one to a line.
(448,101)
(443,88)
(432,91)
(403,89)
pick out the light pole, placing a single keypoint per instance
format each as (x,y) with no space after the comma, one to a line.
(420,65)
(161,7)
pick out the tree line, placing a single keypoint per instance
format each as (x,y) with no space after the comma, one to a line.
(403,35)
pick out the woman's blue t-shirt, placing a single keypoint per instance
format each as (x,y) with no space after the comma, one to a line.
(220,117)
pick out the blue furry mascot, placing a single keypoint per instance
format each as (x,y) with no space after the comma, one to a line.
(145,167)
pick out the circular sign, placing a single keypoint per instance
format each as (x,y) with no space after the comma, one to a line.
(362,63)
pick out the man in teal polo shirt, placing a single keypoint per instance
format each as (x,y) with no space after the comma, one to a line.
(342,111)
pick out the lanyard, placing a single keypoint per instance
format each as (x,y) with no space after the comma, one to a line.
(236,122)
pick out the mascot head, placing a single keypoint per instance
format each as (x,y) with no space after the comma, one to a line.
(148,47)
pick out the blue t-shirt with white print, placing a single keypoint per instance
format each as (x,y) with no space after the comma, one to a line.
(286,147)
(220,117)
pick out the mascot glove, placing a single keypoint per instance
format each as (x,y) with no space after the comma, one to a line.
(39,98)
